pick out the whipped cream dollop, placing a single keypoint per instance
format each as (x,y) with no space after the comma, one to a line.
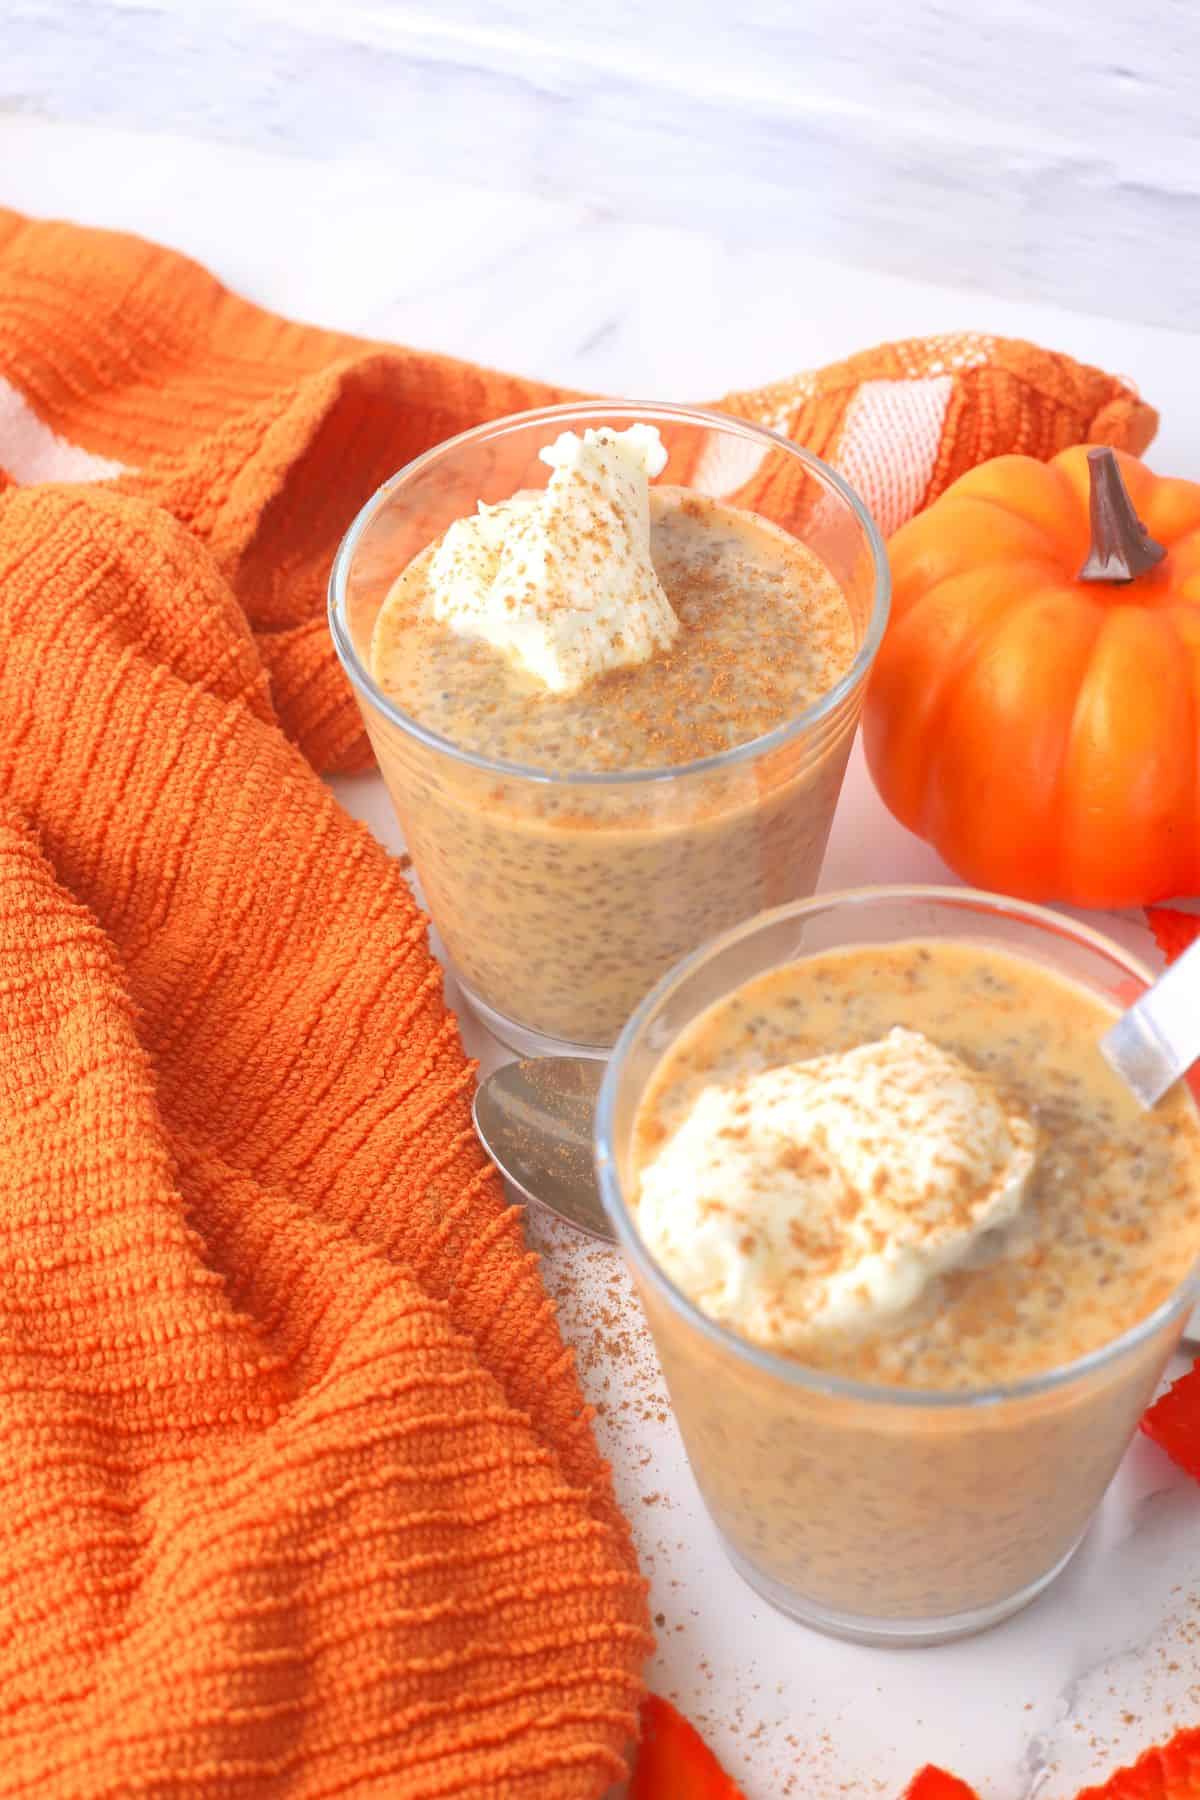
(561,580)
(824,1197)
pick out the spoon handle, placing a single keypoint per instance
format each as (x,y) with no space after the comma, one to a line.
(1158,1039)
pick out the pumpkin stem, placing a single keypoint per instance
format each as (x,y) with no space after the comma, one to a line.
(1122,548)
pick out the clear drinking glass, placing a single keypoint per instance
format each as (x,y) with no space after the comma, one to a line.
(888,1515)
(561,898)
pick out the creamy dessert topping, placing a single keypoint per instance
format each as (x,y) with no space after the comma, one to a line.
(826,1196)
(561,581)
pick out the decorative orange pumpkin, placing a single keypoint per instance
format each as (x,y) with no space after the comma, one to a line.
(1035,708)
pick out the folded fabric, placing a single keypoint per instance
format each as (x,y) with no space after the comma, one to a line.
(264,437)
(300,1494)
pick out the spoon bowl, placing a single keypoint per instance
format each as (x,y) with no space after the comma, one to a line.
(534,1118)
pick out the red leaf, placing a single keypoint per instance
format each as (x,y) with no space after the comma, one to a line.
(674,1762)
(1171,1772)
(1174,1421)
(1173,930)
(931,1783)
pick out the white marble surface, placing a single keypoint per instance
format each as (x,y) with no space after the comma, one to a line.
(1106,1662)
(1028,149)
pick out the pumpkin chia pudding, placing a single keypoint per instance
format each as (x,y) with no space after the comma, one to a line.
(905,1173)
(618,667)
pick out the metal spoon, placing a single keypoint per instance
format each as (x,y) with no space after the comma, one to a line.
(534,1119)
(1156,1042)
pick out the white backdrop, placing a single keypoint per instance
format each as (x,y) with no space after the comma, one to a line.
(1047,149)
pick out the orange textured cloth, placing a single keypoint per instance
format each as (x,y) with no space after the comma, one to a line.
(264,437)
(299,1493)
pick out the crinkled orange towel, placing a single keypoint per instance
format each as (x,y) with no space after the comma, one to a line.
(299,1495)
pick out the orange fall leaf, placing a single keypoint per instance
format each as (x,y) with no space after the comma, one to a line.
(1174,1421)
(674,1762)
(932,1783)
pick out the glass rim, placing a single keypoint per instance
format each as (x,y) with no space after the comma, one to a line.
(788,1369)
(792,728)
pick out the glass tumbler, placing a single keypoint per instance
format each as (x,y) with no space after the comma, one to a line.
(883,1514)
(562,897)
